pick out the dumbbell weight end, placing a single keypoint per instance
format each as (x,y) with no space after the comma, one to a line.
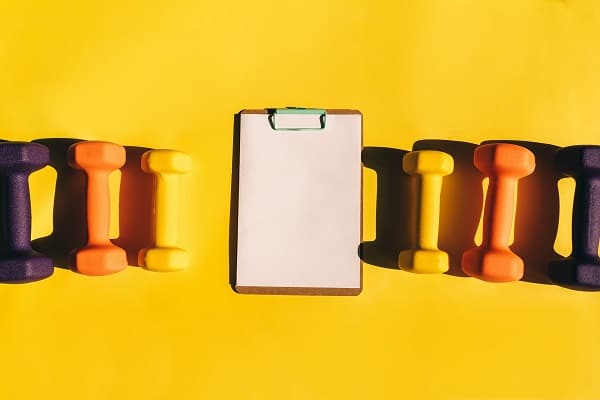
(492,265)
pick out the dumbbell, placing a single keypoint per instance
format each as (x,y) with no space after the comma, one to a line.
(504,164)
(581,270)
(428,167)
(98,159)
(165,165)
(18,262)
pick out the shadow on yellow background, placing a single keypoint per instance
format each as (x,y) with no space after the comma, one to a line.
(170,74)
(537,207)
(394,204)
(69,225)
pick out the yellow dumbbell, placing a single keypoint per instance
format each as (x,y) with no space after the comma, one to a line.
(165,165)
(428,167)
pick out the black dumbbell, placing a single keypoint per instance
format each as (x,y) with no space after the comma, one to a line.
(18,262)
(581,270)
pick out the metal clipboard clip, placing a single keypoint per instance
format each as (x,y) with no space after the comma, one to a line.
(276,112)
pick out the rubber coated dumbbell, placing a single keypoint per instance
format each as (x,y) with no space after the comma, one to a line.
(166,165)
(581,270)
(428,167)
(98,159)
(504,164)
(18,262)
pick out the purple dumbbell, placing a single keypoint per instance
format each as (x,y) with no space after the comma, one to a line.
(581,270)
(18,262)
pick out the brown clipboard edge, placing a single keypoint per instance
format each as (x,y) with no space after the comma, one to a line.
(307,291)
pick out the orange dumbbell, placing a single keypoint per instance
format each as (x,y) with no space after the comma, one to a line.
(504,164)
(98,159)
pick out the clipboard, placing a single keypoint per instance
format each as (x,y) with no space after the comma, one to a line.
(297,225)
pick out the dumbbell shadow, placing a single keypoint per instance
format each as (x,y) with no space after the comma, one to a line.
(393,207)
(536,218)
(69,222)
(461,200)
(136,203)
(69,212)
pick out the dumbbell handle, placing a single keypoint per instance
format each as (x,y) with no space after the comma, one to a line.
(166,212)
(586,216)
(18,224)
(430,188)
(98,207)
(499,201)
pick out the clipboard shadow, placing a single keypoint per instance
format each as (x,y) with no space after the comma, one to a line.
(69,210)
(234,201)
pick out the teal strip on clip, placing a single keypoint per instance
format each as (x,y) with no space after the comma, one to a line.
(273,113)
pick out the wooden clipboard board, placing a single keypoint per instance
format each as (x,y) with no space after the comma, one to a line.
(297,202)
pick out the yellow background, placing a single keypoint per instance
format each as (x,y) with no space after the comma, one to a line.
(172,74)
